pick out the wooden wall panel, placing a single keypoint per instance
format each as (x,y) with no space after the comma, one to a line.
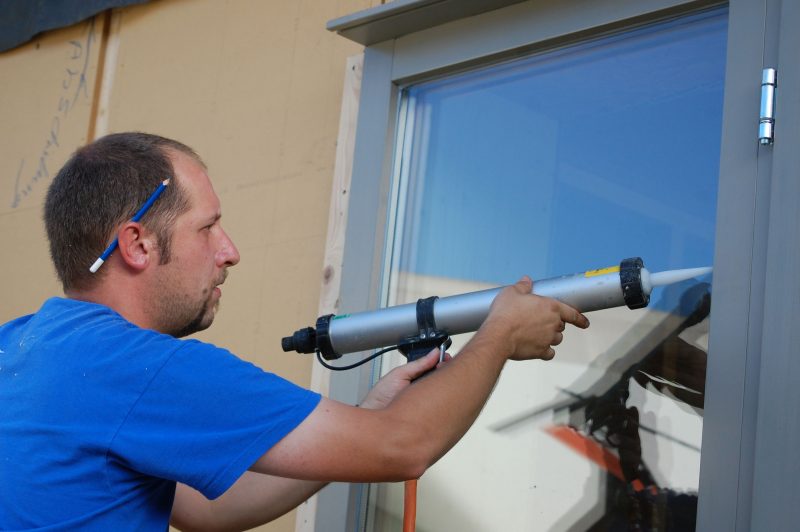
(255,87)
(46,94)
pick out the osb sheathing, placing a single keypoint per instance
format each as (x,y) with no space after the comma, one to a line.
(254,87)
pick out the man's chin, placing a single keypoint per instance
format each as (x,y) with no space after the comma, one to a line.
(207,318)
(201,323)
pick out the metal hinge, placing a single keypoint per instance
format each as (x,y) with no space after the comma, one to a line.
(766,122)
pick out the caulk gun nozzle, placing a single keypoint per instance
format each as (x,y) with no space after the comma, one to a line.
(675,276)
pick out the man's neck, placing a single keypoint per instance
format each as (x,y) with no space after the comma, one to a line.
(124,296)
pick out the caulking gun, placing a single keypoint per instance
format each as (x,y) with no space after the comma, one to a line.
(428,323)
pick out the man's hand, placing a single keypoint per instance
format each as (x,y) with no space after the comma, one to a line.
(534,324)
(530,323)
(399,433)
(386,389)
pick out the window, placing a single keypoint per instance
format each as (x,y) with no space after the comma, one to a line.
(423,72)
(548,165)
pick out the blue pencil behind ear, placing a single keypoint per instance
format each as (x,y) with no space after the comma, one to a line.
(136,217)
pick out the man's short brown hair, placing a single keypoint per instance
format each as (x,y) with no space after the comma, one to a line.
(100,187)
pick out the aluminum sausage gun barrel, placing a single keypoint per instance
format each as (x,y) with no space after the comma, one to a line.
(629,284)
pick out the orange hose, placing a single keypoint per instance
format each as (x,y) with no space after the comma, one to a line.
(410,506)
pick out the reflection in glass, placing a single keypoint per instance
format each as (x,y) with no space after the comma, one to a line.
(663,354)
(554,164)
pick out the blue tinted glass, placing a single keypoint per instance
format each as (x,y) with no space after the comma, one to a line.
(570,160)
(552,164)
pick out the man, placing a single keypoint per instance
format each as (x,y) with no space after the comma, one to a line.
(105,412)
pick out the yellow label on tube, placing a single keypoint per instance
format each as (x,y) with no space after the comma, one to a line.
(602,271)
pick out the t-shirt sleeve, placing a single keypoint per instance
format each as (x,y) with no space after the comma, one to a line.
(206,417)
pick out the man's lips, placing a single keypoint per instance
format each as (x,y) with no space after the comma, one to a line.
(220,282)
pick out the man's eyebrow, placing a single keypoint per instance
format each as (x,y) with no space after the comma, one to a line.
(212,218)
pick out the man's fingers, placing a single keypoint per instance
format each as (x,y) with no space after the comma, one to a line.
(570,315)
(414,369)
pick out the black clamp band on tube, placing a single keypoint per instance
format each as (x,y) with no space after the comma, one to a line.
(426,321)
(323,338)
(630,277)
(429,337)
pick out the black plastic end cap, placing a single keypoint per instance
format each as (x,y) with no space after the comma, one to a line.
(287,344)
(630,277)
(302,341)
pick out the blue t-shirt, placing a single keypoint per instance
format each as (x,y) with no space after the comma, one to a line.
(99,418)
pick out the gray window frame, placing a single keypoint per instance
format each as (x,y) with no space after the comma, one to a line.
(747,472)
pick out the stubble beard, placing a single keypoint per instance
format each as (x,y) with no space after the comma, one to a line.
(182,316)
(202,320)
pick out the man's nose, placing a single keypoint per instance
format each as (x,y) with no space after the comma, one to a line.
(227,255)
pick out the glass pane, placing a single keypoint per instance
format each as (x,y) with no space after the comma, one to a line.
(554,164)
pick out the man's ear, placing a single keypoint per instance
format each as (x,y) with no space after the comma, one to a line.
(136,247)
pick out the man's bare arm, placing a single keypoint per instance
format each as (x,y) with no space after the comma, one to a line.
(411,428)
(253,500)
(257,498)
(343,443)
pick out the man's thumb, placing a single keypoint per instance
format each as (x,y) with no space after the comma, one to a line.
(525,284)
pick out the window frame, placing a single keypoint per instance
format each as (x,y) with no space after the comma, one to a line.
(755,291)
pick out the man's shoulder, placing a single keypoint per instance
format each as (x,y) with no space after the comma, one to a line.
(62,308)
(75,331)
(15,323)
(64,317)
(90,327)
(15,326)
